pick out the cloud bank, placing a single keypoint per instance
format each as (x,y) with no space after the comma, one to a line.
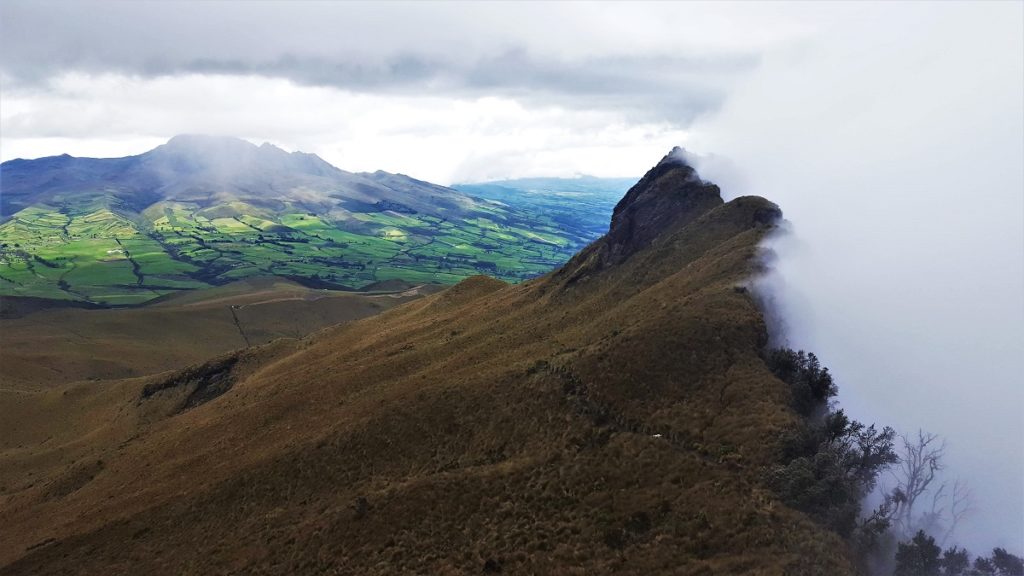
(897,154)
(551,88)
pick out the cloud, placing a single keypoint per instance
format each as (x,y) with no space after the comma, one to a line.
(444,91)
(439,139)
(673,88)
(541,55)
(895,147)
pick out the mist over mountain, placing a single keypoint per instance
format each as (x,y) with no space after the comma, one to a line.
(904,265)
(204,210)
(208,170)
(615,415)
(405,336)
(624,413)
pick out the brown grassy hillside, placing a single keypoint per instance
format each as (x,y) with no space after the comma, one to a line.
(614,416)
(61,344)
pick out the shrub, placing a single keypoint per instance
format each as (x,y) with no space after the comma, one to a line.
(919,557)
(830,462)
(810,383)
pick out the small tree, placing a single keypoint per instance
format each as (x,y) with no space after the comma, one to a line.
(983,566)
(1007,564)
(955,561)
(919,557)
(811,384)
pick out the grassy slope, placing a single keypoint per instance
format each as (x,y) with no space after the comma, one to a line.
(611,417)
(55,346)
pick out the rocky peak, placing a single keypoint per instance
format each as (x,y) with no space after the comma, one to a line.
(668,194)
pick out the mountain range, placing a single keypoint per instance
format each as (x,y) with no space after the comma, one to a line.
(615,415)
(202,210)
(210,171)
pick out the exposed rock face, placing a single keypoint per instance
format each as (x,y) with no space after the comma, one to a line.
(668,198)
(670,193)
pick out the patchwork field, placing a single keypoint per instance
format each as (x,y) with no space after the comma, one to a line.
(203,211)
(84,248)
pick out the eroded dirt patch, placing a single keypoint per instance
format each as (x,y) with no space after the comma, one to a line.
(197,384)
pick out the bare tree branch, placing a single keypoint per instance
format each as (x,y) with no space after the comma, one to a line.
(919,466)
(959,507)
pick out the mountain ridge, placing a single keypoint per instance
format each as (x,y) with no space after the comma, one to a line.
(615,421)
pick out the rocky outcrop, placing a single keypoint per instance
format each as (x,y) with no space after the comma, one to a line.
(669,194)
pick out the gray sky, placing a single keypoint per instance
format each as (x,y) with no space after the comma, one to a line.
(445,91)
(891,134)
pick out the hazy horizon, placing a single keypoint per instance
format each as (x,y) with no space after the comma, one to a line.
(257,142)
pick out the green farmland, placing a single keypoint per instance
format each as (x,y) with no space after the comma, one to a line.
(85,248)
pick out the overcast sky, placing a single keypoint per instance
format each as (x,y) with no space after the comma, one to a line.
(446,92)
(891,134)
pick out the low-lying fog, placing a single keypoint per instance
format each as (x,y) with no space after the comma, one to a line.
(897,156)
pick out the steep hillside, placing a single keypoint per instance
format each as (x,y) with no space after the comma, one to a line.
(614,416)
(200,211)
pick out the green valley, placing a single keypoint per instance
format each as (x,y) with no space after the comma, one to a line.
(119,236)
(89,252)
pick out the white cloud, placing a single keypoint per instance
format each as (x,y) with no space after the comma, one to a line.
(895,145)
(434,138)
(443,91)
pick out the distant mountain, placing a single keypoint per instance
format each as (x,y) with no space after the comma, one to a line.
(211,171)
(615,416)
(201,210)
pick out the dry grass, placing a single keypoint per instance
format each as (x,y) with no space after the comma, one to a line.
(612,417)
(55,346)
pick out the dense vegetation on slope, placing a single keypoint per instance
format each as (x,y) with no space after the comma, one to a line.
(614,416)
(831,463)
(201,211)
(921,556)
